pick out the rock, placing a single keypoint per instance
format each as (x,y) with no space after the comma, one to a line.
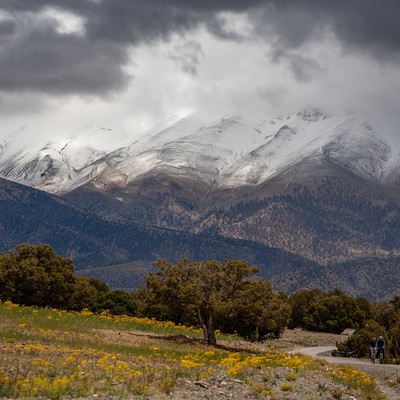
(201,384)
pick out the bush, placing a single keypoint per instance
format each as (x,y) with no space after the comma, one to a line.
(358,344)
(116,302)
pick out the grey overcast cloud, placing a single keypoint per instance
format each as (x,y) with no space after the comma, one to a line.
(133,63)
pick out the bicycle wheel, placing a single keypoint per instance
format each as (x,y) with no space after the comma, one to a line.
(372,355)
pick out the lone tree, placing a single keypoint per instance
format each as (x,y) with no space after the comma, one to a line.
(225,296)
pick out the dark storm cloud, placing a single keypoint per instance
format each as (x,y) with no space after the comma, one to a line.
(41,59)
(373,25)
(365,25)
(36,56)
(7,28)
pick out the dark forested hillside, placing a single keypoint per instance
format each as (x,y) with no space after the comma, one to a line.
(325,218)
(31,216)
(326,236)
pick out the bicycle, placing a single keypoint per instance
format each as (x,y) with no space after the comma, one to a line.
(373,354)
(380,354)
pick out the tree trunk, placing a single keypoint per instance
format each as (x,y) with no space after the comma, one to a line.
(211,339)
(208,329)
(203,325)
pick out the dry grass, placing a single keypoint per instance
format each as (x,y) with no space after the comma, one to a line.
(51,354)
(306,338)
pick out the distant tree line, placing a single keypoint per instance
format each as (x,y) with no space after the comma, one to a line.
(385,322)
(211,295)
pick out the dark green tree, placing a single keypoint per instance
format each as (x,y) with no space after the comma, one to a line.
(36,275)
(387,314)
(85,293)
(116,302)
(328,312)
(357,345)
(300,303)
(219,296)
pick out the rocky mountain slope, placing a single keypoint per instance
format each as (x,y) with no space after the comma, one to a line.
(222,154)
(322,188)
(31,216)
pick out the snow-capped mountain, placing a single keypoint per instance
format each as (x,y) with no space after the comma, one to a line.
(320,188)
(230,152)
(50,165)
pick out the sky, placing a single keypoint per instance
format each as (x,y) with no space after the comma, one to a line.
(134,63)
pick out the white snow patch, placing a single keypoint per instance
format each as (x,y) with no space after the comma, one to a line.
(228,152)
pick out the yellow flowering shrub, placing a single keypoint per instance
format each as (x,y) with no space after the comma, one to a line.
(81,355)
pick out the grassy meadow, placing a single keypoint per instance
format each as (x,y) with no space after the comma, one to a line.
(48,353)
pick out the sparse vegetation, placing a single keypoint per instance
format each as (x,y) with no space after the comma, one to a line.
(208,295)
(48,353)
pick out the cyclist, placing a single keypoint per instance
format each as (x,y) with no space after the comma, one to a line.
(380,348)
(372,349)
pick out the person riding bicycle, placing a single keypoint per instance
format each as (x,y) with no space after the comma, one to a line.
(372,348)
(380,347)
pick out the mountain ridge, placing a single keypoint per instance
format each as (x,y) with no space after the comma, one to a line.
(33,216)
(323,189)
(228,152)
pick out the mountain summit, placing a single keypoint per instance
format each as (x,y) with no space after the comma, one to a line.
(325,188)
(225,153)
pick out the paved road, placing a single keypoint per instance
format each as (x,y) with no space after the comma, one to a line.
(325,351)
(385,373)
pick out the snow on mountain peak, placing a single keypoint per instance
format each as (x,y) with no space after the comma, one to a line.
(230,151)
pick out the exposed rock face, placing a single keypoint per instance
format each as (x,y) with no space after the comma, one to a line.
(323,188)
(227,153)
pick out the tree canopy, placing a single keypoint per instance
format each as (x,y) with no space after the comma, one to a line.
(328,312)
(214,295)
(36,276)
